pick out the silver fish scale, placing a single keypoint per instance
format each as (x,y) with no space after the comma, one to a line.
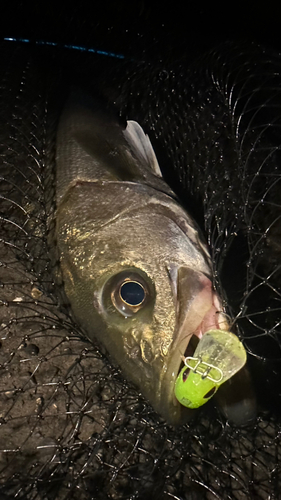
(71,427)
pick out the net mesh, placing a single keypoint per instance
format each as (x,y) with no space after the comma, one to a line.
(70,425)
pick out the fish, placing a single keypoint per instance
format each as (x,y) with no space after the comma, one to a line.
(135,267)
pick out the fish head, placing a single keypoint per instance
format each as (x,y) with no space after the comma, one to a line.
(137,274)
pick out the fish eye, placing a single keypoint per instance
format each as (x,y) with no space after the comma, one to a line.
(132,293)
(129,292)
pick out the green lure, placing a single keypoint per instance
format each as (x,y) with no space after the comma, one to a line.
(218,356)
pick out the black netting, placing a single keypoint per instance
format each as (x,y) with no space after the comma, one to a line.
(70,426)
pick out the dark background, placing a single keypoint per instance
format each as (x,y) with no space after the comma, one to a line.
(161,29)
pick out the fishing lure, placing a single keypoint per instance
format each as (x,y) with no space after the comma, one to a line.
(218,356)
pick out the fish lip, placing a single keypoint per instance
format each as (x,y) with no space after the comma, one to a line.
(214,318)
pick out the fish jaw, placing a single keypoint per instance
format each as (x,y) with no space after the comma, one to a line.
(204,314)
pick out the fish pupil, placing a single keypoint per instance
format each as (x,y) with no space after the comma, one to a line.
(132,293)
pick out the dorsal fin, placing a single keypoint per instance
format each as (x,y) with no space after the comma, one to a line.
(93,145)
(141,146)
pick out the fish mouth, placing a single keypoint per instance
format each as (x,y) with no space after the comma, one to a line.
(189,333)
(214,319)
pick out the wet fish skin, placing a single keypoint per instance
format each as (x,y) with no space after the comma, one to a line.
(116,221)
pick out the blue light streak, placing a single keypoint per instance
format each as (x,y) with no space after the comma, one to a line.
(81,48)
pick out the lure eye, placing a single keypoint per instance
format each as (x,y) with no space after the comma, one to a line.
(130,292)
(185,374)
(210,393)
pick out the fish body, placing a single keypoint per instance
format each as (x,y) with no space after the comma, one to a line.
(135,267)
